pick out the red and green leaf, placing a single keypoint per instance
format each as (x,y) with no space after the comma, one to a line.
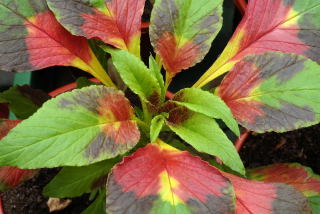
(267,198)
(181,32)
(11,176)
(32,39)
(75,129)
(273,92)
(203,133)
(161,179)
(302,178)
(115,22)
(290,26)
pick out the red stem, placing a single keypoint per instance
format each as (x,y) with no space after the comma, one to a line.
(1,209)
(68,87)
(73,85)
(241,5)
(241,139)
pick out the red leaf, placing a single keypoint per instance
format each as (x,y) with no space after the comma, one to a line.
(267,198)
(50,44)
(11,176)
(115,22)
(6,126)
(159,177)
(283,25)
(176,58)
(302,178)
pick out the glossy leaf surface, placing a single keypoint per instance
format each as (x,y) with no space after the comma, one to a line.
(116,22)
(23,100)
(208,104)
(11,176)
(32,39)
(75,129)
(267,198)
(273,92)
(302,178)
(161,179)
(290,26)
(75,181)
(204,134)
(181,32)
(137,76)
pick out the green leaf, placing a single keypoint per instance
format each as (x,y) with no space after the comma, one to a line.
(205,135)
(208,104)
(98,206)
(137,76)
(23,100)
(315,204)
(156,72)
(75,181)
(77,128)
(156,125)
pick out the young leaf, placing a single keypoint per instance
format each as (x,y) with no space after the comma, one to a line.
(11,176)
(137,76)
(181,32)
(32,39)
(284,25)
(23,100)
(267,198)
(302,178)
(205,135)
(208,104)
(75,129)
(161,179)
(75,181)
(273,92)
(115,22)
(98,206)
(155,70)
(156,125)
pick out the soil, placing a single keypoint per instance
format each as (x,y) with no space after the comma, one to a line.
(27,198)
(301,146)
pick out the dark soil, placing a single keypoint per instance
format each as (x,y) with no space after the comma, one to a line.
(301,146)
(27,197)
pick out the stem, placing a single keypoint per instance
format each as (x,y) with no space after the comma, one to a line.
(241,139)
(68,87)
(241,5)
(1,208)
(147,116)
(169,77)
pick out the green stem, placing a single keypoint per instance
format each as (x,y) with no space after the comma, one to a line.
(147,116)
(168,81)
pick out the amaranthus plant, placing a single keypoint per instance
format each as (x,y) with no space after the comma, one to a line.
(116,149)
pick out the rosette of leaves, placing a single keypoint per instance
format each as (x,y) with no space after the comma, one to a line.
(273,85)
